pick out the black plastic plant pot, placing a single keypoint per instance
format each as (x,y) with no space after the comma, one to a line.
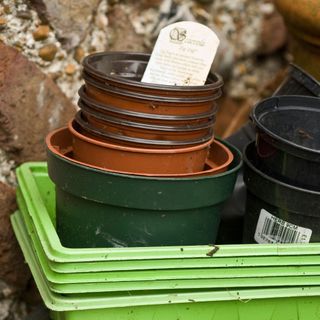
(276,211)
(288,139)
(97,208)
(298,82)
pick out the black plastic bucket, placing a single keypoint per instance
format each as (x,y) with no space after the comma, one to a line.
(298,82)
(281,207)
(288,139)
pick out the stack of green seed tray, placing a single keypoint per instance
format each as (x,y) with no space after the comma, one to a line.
(207,282)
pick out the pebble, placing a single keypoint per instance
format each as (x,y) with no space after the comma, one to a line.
(48,52)
(6,9)
(70,69)
(102,22)
(3,22)
(79,54)
(41,33)
(24,14)
(240,69)
(251,81)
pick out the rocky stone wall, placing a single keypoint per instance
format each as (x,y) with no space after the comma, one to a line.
(42,44)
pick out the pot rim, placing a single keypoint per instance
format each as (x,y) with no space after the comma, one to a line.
(304,79)
(140,125)
(273,180)
(78,163)
(87,66)
(127,112)
(312,83)
(275,101)
(87,127)
(148,97)
(82,137)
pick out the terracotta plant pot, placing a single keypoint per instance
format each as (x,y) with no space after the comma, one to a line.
(86,102)
(139,102)
(218,161)
(125,70)
(130,159)
(303,21)
(110,124)
(127,136)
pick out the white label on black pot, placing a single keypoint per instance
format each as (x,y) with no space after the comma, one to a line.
(271,229)
(182,55)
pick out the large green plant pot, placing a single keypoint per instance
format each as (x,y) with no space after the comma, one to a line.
(97,208)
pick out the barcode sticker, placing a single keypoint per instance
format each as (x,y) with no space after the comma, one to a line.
(271,229)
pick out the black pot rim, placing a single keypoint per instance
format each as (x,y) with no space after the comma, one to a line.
(312,84)
(306,81)
(285,144)
(88,61)
(260,173)
(146,126)
(91,102)
(149,97)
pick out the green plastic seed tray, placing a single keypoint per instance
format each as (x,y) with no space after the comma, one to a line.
(66,286)
(228,262)
(38,194)
(170,279)
(270,304)
(157,264)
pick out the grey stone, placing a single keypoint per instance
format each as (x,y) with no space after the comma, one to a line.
(70,19)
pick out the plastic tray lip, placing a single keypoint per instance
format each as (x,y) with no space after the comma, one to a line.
(57,253)
(297,276)
(196,263)
(176,277)
(57,302)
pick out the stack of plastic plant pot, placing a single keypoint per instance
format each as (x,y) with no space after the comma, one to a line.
(282,167)
(138,127)
(139,165)
(224,281)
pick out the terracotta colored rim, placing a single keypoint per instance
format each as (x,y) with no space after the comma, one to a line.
(134,149)
(148,97)
(87,127)
(91,102)
(141,125)
(228,153)
(66,154)
(143,57)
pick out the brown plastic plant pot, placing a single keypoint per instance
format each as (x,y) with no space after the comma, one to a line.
(149,161)
(218,161)
(123,99)
(141,117)
(88,130)
(142,130)
(125,70)
(132,129)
